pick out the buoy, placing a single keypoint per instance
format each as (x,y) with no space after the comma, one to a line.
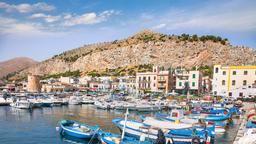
(177,121)
(57,128)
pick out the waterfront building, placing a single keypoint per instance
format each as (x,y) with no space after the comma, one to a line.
(188,81)
(54,87)
(123,83)
(131,85)
(69,80)
(206,84)
(104,85)
(248,91)
(227,79)
(33,83)
(155,81)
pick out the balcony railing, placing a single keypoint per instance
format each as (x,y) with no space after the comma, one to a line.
(161,80)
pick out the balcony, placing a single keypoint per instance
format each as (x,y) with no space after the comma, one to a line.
(161,86)
(161,80)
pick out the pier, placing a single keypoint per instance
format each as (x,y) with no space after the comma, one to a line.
(242,123)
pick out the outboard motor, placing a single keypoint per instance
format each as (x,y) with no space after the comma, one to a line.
(160,137)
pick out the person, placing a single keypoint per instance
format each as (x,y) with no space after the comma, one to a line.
(160,137)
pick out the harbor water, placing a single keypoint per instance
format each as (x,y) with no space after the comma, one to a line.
(38,126)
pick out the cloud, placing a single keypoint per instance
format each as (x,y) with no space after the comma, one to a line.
(160,26)
(47,18)
(15,27)
(25,7)
(88,18)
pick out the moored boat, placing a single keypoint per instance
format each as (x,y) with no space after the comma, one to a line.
(138,129)
(77,129)
(110,138)
(22,104)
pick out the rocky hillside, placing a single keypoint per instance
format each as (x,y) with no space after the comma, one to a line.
(15,65)
(148,47)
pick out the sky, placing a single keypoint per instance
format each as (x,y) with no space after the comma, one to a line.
(41,29)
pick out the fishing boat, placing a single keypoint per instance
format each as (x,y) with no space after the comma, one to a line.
(138,129)
(21,104)
(110,138)
(77,129)
(75,100)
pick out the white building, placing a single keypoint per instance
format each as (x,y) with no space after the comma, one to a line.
(248,91)
(229,78)
(69,80)
(188,80)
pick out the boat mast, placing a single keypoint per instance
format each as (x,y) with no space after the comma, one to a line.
(125,120)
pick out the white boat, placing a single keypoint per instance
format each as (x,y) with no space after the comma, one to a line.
(249,137)
(5,102)
(75,100)
(147,108)
(165,124)
(36,103)
(56,101)
(87,101)
(22,104)
(102,105)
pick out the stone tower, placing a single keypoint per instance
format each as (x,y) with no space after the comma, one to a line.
(33,83)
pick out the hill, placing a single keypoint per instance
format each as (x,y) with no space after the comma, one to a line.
(15,65)
(148,47)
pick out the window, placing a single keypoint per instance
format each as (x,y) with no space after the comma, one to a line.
(144,78)
(215,92)
(194,76)
(139,78)
(154,85)
(245,72)
(233,82)
(224,73)
(241,94)
(180,83)
(230,94)
(234,72)
(223,82)
(193,84)
(244,82)
(216,70)
(148,85)
(154,77)
(148,78)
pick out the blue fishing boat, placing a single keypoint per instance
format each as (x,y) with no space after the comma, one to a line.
(138,130)
(77,129)
(110,138)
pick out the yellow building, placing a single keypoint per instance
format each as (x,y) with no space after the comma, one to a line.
(229,78)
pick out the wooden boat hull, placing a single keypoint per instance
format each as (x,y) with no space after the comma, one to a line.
(69,130)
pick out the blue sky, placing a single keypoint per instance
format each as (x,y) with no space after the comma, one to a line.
(41,29)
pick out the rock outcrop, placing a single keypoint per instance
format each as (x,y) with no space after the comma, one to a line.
(148,47)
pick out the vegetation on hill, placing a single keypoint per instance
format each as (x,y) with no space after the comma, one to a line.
(76,73)
(121,71)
